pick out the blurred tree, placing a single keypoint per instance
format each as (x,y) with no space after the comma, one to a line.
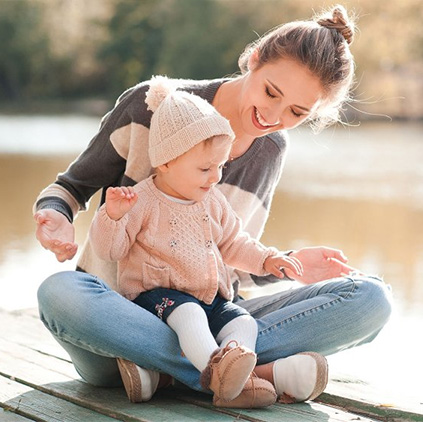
(180,38)
(134,45)
(202,39)
(25,52)
(71,48)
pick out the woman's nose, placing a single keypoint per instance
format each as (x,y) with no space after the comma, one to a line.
(274,115)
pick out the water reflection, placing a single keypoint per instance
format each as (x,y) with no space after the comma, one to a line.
(378,237)
(323,199)
(23,263)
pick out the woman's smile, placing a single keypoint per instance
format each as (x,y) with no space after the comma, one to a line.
(260,122)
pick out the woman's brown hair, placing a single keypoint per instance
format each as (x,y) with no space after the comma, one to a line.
(322,45)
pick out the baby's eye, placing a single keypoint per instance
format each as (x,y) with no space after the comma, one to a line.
(205,170)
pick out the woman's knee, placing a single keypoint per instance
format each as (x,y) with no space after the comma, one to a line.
(50,297)
(376,298)
(65,295)
(55,287)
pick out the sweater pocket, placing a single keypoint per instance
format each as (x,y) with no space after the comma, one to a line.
(154,277)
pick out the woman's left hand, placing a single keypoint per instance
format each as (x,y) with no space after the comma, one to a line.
(320,263)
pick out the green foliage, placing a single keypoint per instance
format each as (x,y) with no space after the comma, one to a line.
(179,38)
(134,44)
(27,68)
(44,55)
(24,50)
(198,35)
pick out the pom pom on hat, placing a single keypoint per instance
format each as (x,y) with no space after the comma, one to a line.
(160,88)
(180,121)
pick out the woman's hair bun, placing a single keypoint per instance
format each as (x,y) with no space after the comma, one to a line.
(160,88)
(338,20)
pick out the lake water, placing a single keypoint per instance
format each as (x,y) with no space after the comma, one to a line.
(359,189)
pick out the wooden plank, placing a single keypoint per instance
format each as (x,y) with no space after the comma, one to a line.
(379,412)
(40,360)
(298,412)
(38,406)
(8,416)
(18,361)
(55,377)
(367,395)
(26,329)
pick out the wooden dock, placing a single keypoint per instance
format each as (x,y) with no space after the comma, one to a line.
(39,383)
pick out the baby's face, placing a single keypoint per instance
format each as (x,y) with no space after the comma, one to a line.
(193,174)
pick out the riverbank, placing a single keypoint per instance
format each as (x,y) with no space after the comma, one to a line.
(99,106)
(84,107)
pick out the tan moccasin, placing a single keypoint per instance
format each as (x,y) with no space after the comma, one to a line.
(140,384)
(228,370)
(257,393)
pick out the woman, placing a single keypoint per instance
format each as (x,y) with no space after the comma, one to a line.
(300,72)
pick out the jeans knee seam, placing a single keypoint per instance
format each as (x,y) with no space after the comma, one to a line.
(352,291)
(314,309)
(263,305)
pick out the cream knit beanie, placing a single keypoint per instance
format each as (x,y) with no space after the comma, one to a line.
(180,121)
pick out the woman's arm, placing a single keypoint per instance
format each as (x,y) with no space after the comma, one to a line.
(102,164)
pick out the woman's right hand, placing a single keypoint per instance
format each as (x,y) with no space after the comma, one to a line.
(56,233)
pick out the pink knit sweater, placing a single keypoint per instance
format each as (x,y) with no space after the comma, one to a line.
(161,243)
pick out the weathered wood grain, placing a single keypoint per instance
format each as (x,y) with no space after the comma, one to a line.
(7,416)
(36,405)
(38,382)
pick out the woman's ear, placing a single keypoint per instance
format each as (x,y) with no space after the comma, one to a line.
(253,60)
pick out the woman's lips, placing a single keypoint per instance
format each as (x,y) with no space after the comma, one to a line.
(259,122)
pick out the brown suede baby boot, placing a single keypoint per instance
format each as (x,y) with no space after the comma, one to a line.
(228,370)
(257,393)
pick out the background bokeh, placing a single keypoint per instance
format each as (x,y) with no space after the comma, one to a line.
(73,49)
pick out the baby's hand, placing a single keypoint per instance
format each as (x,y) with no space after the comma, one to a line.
(119,201)
(273,265)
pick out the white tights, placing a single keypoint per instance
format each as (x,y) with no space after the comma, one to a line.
(190,323)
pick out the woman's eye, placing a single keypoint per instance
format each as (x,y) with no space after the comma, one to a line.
(269,94)
(296,114)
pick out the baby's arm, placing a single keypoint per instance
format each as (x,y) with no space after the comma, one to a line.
(242,252)
(115,227)
(119,201)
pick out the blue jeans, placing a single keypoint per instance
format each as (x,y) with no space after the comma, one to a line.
(94,324)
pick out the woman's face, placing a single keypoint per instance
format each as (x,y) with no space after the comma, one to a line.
(278,95)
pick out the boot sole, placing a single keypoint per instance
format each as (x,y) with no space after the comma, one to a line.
(131,380)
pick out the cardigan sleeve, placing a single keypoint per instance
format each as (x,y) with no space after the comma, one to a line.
(100,165)
(113,239)
(238,249)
